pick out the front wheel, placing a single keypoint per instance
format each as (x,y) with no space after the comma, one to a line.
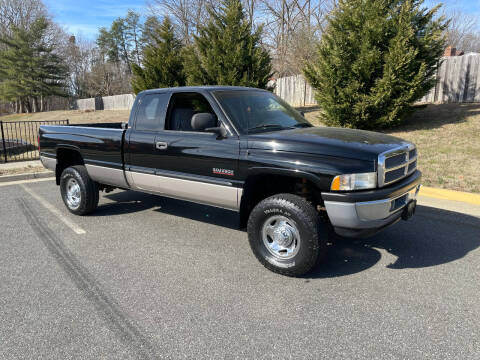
(79,192)
(286,234)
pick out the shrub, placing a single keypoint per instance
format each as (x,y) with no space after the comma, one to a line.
(375,60)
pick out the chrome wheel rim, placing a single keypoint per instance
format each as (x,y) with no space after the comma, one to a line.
(73,194)
(281,237)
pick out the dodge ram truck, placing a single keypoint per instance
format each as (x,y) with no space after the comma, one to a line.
(244,150)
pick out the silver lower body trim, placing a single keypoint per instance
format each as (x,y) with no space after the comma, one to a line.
(107,176)
(368,214)
(226,197)
(48,163)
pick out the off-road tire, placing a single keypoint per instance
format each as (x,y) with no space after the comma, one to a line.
(89,193)
(313,233)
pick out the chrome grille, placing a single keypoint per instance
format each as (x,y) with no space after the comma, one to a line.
(396,164)
(395,160)
(391,176)
(412,166)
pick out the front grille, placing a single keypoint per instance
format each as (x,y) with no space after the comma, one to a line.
(396,164)
(412,166)
(391,176)
(395,160)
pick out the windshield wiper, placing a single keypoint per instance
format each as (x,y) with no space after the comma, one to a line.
(301,125)
(267,126)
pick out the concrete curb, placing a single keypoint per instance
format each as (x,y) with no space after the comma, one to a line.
(26,176)
(452,195)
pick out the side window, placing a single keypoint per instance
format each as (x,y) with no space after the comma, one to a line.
(182,108)
(151,113)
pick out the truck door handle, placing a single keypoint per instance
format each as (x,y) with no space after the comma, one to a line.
(160,145)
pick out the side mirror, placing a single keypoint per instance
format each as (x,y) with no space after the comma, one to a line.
(219,130)
(206,122)
(203,121)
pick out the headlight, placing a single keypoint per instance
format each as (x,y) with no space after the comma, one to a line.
(354,182)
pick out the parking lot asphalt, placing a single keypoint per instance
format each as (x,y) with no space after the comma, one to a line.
(150,277)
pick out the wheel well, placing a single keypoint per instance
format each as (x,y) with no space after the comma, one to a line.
(65,159)
(260,187)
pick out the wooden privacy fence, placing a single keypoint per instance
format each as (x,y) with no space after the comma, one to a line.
(295,90)
(116,102)
(458,81)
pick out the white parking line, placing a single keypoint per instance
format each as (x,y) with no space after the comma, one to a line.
(76,229)
(18,182)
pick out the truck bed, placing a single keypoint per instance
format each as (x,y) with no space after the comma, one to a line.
(99,144)
(99,125)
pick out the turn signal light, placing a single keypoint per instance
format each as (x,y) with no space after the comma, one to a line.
(335,184)
(354,182)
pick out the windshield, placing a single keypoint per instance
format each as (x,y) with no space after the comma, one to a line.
(259,111)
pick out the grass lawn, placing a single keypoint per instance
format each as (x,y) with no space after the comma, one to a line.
(448,141)
(447,137)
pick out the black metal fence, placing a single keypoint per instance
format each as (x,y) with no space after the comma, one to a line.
(19,139)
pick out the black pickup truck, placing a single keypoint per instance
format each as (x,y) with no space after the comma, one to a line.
(245,150)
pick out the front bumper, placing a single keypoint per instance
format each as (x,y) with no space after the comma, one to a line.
(360,214)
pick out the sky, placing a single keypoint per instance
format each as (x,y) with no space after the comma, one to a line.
(85,17)
(468,6)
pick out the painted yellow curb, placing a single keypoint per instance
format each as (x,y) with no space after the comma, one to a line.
(450,195)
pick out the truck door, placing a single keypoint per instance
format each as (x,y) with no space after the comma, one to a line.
(149,119)
(188,164)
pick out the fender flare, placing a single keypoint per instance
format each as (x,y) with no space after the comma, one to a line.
(264,170)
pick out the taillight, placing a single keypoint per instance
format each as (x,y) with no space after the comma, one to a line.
(38,142)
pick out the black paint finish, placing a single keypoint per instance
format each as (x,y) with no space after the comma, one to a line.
(317,154)
(324,141)
(100,145)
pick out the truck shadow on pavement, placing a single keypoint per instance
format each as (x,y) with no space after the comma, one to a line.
(432,237)
(127,202)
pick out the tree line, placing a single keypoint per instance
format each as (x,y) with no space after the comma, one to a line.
(31,66)
(368,60)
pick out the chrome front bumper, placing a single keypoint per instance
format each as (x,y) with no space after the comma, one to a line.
(367,217)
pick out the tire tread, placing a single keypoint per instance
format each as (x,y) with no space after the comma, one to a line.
(308,215)
(91,193)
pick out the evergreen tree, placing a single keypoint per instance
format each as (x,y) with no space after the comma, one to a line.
(227,51)
(375,60)
(107,45)
(133,32)
(162,63)
(118,32)
(149,29)
(29,66)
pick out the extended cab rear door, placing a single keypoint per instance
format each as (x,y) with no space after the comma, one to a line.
(182,163)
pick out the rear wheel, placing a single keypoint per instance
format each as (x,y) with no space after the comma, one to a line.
(79,192)
(286,234)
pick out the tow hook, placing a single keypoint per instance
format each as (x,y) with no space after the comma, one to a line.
(409,210)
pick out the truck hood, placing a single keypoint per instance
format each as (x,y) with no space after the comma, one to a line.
(338,142)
